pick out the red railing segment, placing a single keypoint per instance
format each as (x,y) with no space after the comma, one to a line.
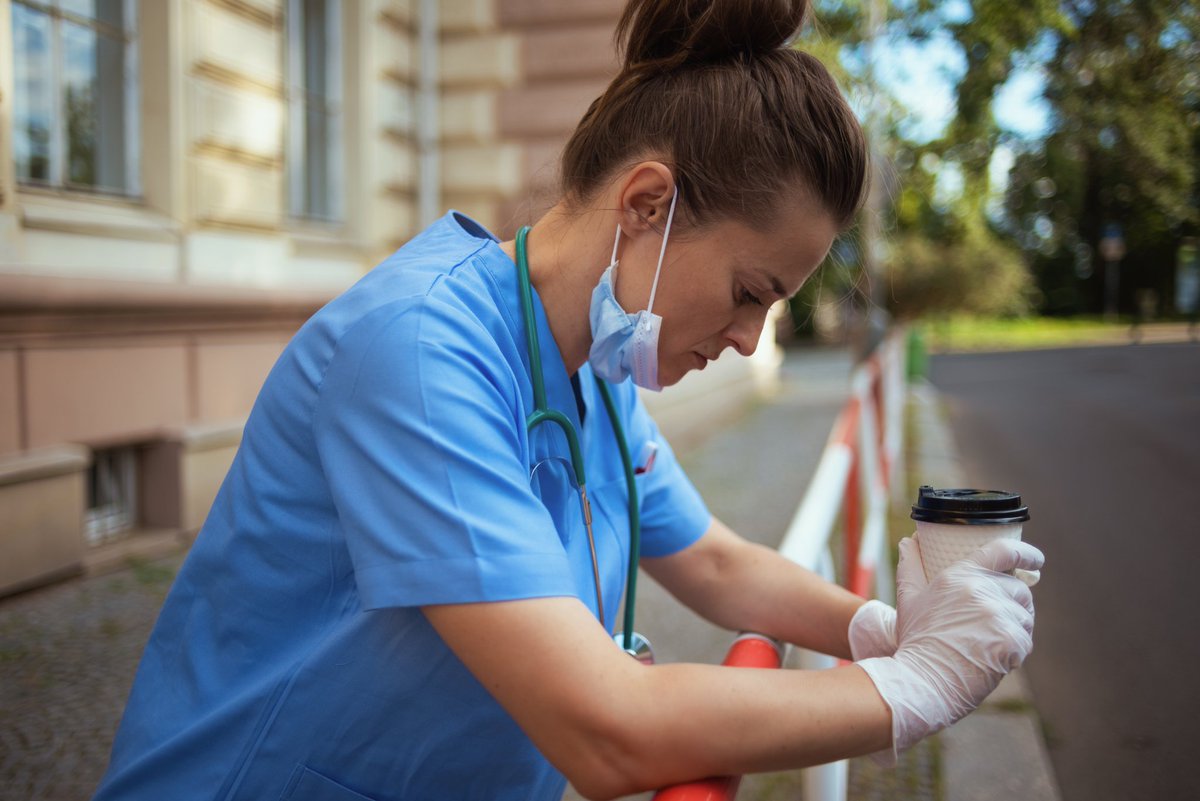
(747,651)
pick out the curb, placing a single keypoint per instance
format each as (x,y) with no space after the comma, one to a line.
(999,751)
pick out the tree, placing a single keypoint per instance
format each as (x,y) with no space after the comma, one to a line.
(1122,83)
(940,255)
(1123,86)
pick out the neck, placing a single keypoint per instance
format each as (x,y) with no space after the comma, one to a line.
(567,254)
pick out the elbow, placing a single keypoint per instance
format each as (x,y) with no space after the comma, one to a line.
(603,785)
(600,790)
(609,762)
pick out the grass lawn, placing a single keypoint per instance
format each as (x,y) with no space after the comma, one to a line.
(988,334)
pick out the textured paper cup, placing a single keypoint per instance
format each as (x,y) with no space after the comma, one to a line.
(952,524)
(944,544)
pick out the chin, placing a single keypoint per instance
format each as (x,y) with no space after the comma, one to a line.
(670,379)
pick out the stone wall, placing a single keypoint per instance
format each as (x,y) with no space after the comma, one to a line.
(517,75)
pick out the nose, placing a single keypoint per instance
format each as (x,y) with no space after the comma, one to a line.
(744,335)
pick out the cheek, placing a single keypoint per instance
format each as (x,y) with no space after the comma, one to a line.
(693,325)
(694,310)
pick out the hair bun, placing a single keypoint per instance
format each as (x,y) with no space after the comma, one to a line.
(674,33)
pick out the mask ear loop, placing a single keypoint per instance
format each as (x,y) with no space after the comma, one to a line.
(661,251)
(613,261)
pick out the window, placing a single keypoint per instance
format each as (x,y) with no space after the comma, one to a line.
(112,494)
(315,109)
(75,100)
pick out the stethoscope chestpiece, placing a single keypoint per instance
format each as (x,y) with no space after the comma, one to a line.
(639,647)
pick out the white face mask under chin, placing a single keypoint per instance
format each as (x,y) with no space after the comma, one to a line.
(623,344)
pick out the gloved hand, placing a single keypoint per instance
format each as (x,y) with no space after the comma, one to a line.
(873,631)
(958,636)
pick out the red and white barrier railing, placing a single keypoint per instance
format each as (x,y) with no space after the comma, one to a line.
(854,476)
(747,651)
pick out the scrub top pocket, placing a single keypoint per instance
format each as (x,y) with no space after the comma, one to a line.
(308,785)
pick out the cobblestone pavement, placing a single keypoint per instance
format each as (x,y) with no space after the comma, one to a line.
(67,657)
(68,652)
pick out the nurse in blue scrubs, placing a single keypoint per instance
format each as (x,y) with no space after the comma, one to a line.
(392,599)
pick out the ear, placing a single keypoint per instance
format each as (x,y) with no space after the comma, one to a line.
(645,198)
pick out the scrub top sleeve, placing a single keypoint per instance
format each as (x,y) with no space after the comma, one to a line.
(421,445)
(673,515)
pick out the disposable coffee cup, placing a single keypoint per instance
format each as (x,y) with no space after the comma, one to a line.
(953,523)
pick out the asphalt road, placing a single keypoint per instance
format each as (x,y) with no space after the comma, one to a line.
(1104,444)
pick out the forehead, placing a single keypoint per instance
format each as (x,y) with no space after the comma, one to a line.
(787,249)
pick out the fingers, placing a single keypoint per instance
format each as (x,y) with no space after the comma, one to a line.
(1016,589)
(1003,556)
(1030,577)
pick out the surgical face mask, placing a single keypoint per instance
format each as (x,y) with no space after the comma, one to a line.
(624,344)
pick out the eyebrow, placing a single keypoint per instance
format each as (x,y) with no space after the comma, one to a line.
(776,284)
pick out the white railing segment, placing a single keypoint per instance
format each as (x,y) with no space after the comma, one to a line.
(854,443)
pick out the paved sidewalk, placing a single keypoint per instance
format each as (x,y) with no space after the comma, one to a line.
(68,652)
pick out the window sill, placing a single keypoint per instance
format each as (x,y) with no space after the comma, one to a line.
(93,215)
(60,460)
(312,238)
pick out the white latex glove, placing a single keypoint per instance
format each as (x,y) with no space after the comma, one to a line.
(959,635)
(873,631)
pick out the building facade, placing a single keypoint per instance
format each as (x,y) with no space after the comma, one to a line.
(184,182)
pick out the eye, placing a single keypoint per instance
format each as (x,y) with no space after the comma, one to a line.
(747,298)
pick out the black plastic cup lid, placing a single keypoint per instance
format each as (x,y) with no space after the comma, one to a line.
(972,507)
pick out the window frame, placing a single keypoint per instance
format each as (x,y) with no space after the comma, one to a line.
(334,106)
(130,87)
(117,468)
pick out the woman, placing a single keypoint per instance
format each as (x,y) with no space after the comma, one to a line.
(396,595)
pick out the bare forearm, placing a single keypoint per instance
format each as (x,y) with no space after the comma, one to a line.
(615,726)
(708,721)
(771,595)
(742,586)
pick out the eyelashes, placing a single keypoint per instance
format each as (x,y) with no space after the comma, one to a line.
(747,298)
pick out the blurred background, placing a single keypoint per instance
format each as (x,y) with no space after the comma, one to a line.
(183,182)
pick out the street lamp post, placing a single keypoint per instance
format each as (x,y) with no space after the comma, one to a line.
(1112,250)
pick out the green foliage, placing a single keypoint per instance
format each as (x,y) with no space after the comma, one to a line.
(831,288)
(1123,86)
(977,273)
(81,134)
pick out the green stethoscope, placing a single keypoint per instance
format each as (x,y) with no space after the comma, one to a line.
(630,641)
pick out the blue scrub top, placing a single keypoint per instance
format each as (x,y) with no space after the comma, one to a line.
(385,466)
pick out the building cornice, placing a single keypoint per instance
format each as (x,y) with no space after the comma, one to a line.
(39,310)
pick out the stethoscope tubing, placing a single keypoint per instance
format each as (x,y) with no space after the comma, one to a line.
(543,414)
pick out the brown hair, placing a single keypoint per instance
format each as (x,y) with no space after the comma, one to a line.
(713,88)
